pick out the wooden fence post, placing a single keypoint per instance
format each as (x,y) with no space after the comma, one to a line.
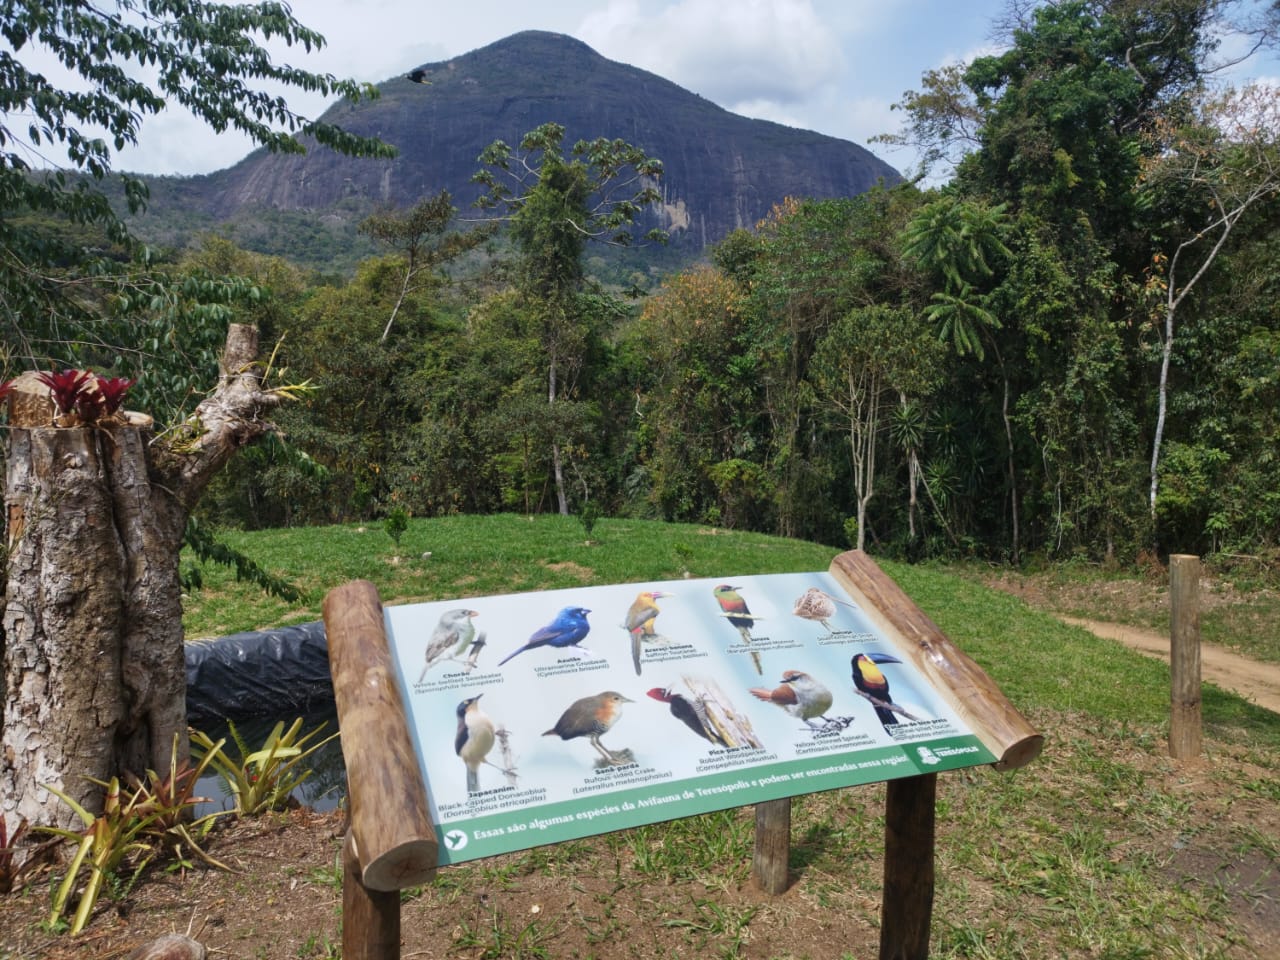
(906,911)
(771,861)
(1184,656)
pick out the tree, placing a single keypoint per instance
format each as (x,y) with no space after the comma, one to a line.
(94,671)
(92,635)
(422,234)
(961,241)
(555,205)
(1220,167)
(866,357)
(205,57)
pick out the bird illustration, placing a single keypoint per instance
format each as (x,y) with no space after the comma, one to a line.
(474,739)
(639,622)
(873,684)
(454,629)
(816,605)
(691,712)
(566,630)
(592,717)
(799,695)
(738,614)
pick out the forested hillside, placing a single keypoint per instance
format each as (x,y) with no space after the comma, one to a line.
(1071,349)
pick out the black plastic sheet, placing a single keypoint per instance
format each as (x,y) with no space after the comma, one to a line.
(278,673)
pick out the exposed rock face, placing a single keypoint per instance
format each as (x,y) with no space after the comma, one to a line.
(723,171)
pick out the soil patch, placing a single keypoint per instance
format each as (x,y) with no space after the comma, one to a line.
(1255,681)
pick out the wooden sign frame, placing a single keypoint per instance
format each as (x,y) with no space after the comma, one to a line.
(392,842)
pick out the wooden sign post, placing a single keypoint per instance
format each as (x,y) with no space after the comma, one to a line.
(393,843)
(1184,657)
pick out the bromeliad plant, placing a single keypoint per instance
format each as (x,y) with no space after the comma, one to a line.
(108,840)
(261,780)
(154,812)
(18,857)
(65,387)
(82,398)
(172,798)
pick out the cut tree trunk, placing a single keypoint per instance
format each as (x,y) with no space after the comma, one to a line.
(94,669)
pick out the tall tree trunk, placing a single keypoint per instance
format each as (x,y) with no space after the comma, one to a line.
(94,668)
(557,461)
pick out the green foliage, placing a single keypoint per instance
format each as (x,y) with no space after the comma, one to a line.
(108,840)
(261,780)
(588,514)
(207,548)
(154,811)
(396,523)
(75,289)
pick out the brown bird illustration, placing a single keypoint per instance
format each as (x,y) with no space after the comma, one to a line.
(816,605)
(799,695)
(592,717)
(639,622)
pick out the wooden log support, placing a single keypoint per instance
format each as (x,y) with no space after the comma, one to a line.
(1184,657)
(907,908)
(370,918)
(391,843)
(771,859)
(954,674)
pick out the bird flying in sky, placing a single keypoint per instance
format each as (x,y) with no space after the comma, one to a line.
(566,631)
(639,622)
(736,611)
(592,717)
(799,695)
(474,739)
(455,629)
(691,712)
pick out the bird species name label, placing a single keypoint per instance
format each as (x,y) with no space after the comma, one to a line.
(545,717)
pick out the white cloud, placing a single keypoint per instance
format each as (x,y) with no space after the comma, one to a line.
(752,51)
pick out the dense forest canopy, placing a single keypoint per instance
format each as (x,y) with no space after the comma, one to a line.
(1070,349)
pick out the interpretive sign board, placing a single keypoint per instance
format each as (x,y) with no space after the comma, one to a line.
(544,717)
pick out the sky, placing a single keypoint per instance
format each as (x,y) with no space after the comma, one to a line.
(832,66)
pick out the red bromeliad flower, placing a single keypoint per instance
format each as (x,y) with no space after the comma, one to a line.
(111,391)
(89,406)
(66,387)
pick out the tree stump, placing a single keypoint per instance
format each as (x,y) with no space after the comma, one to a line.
(94,668)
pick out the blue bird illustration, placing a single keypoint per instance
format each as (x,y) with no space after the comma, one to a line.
(567,630)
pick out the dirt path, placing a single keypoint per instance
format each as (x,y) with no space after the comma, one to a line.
(1257,682)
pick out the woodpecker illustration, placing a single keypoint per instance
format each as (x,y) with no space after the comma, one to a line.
(871,682)
(455,630)
(691,712)
(639,622)
(567,630)
(736,611)
(799,695)
(474,739)
(592,717)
